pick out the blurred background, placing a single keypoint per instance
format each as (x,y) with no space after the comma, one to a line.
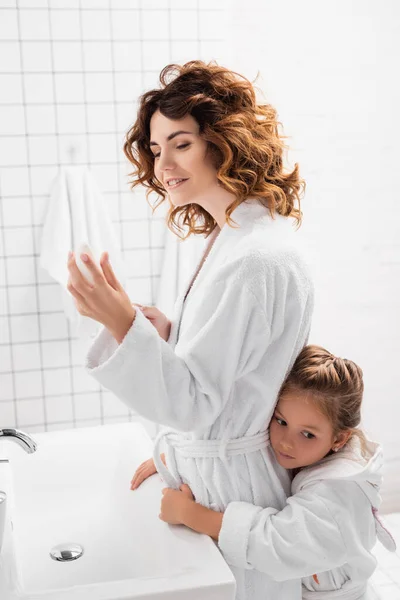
(71,72)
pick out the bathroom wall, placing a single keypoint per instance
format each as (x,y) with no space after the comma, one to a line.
(329,67)
(70,75)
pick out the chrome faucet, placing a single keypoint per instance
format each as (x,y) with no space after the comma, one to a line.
(23,439)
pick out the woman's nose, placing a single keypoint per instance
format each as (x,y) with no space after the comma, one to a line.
(166,162)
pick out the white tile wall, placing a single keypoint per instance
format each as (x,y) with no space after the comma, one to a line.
(71,72)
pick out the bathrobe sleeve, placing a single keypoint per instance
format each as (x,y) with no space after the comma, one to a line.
(302,539)
(188,387)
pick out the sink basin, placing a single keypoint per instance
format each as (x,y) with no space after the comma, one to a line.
(76,489)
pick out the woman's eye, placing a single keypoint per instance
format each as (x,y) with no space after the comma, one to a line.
(281,422)
(178,148)
(308,435)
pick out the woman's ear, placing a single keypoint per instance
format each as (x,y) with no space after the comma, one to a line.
(341,440)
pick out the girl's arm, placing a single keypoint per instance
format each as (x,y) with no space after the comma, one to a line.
(203,520)
(302,539)
(180,508)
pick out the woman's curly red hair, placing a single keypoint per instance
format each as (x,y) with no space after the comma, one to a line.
(242,138)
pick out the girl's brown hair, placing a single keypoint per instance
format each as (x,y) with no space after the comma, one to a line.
(242,138)
(335,385)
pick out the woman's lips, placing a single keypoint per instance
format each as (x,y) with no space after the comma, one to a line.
(172,187)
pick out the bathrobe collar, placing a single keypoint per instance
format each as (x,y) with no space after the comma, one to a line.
(351,465)
(245,217)
(347,464)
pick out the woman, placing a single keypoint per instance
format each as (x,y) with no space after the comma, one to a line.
(203,141)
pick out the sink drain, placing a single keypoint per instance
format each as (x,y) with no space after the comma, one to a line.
(66,552)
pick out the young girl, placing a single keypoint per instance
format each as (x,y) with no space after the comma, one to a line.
(329,525)
(203,143)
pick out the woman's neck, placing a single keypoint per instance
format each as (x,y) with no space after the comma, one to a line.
(215,202)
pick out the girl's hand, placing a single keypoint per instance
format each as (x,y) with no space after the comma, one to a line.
(145,470)
(157,319)
(174,503)
(105,300)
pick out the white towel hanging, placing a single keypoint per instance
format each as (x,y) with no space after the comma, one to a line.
(76,216)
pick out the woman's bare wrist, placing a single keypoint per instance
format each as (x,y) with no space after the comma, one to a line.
(120,329)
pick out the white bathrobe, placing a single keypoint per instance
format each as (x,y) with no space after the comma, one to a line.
(233,340)
(330,522)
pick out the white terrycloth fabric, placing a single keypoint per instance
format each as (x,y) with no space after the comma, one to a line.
(233,339)
(77,216)
(193,448)
(179,259)
(330,522)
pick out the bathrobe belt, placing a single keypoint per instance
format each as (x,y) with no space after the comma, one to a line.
(214,448)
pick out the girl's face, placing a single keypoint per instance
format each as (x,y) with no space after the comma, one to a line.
(181,162)
(300,435)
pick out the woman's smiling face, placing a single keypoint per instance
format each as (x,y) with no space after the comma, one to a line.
(181,161)
(300,434)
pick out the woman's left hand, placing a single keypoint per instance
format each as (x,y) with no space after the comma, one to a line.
(174,503)
(105,300)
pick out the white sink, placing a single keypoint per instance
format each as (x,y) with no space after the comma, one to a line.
(76,489)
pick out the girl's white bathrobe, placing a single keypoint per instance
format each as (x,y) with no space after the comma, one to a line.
(233,339)
(330,522)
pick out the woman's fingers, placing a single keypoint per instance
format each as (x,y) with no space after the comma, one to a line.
(77,280)
(95,271)
(79,299)
(108,272)
(74,292)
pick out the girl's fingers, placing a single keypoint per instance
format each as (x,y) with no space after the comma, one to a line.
(141,474)
(135,480)
(151,312)
(108,272)
(145,470)
(186,490)
(138,481)
(136,475)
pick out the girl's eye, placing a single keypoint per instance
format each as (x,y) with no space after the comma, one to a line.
(281,422)
(178,148)
(308,435)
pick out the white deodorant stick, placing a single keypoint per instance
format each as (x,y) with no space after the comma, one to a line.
(84,249)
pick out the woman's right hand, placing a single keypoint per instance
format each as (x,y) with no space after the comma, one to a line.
(145,470)
(157,319)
